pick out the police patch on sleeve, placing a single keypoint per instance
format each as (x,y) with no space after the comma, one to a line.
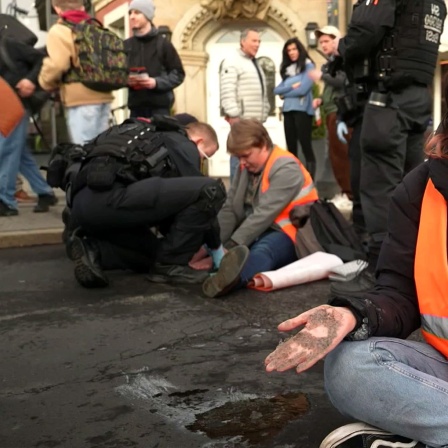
(433,17)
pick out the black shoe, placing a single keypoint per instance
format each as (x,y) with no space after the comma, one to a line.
(228,275)
(364,281)
(174,273)
(44,203)
(361,435)
(6,210)
(88,271)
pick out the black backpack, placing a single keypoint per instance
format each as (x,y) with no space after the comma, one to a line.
(334,233)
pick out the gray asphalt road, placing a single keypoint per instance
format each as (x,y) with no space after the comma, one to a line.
(144,365)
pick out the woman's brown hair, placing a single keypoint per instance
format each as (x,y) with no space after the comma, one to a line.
(437,144)
(247,133)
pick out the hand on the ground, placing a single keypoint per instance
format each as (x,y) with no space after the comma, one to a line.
(147,83)
(342,131)
(25,88)
(202,265)
(317,102)
(315,74)
(325,327)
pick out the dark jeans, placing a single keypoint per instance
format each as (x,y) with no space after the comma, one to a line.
(298,128)
(392,145)
(179,206)
(272,250)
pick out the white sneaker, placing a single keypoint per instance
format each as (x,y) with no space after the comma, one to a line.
(362,435)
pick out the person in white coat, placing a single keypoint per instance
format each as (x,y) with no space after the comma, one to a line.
(243,91)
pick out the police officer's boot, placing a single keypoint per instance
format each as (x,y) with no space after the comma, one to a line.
(176,274)
(86,256)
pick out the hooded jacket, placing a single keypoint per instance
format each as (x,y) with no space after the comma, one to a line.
(162,62)
(391,309)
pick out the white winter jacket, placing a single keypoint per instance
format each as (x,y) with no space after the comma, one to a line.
(242,94)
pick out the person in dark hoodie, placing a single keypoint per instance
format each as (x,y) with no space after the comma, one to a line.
(397,387)
(155,66)
(19,66)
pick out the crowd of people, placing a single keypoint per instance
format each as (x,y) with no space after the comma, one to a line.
(139,198)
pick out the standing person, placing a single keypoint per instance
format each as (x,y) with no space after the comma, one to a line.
(15,156)
(333,89)
(254,220)
(392,46)
(87,110)
(155,61)
(243,91)
(296,91)
(373,373)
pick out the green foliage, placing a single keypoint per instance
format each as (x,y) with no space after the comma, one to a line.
(318,131)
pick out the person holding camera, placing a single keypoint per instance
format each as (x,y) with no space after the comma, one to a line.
(391,48)
(154,64)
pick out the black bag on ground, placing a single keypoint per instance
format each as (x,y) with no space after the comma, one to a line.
(334,233)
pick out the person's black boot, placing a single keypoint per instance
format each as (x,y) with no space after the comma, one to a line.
(44,203)
(174,273)
(6,210)
(85,255)
(229,272)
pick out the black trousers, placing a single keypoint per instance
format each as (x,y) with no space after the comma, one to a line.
(392,145)
(298,127)
(184,209)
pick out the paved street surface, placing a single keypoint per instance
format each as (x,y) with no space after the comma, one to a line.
(144,365)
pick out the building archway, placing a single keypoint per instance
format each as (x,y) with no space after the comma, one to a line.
(190,38)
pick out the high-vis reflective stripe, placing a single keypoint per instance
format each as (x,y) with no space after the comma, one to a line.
(431,269)
(307,194)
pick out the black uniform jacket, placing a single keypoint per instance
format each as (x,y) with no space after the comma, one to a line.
(162,62)
(19,61)
(391,308)
(369,23)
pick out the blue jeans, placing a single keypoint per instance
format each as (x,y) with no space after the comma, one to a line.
(16,157)
(272,250)
(397,385)
(87,121)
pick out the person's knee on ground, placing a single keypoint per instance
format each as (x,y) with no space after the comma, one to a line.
(210,201)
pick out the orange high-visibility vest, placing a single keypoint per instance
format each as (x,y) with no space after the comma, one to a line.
(306,195)
(431,269)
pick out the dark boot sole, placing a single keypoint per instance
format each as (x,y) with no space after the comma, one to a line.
(86,275)
(228,274)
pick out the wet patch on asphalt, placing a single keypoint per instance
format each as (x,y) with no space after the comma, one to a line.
(230,416)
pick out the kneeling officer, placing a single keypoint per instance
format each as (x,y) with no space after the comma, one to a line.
(135,177)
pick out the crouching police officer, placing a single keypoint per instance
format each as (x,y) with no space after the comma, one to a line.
(392,48)
(138,180)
